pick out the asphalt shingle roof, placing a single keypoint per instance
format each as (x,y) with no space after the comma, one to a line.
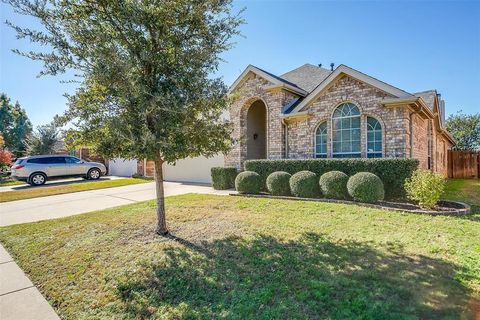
(427,96)
(307,77)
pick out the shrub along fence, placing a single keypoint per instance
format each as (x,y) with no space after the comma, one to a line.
(392,171)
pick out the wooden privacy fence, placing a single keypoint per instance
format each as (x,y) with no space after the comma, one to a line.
(463,164)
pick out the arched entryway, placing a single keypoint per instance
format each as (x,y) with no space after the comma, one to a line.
(256,130)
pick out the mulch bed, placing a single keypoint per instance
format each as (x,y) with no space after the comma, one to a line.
(443,207)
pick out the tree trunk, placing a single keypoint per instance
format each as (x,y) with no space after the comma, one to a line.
(161,219)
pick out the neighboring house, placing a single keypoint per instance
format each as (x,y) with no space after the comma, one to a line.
(312,112)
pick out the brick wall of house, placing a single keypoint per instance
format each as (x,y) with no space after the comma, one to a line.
(441,146)
(146,168)
(420,140)
(438,145)
(404,134)
(256,88)
(301,135)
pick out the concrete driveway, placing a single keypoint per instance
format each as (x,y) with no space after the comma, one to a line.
(64,205)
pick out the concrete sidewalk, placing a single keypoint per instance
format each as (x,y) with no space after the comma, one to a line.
(19,298)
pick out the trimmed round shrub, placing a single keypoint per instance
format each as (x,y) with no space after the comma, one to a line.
(278,183)
(333,185)
(304,184)
(365,187)
(248,182)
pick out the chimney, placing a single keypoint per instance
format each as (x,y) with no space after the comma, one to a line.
(331,66)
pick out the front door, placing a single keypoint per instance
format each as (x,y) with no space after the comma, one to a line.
(256,131)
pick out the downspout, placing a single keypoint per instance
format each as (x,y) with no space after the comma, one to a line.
(411,135)
(285,134)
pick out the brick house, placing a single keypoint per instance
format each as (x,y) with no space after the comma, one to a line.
(312,112)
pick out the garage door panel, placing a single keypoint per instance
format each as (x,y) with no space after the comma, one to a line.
(122,167)
(192,169)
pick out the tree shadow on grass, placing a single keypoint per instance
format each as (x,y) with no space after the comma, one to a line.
(264,278)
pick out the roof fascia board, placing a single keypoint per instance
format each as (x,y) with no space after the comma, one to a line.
(263,74)
(299,116)
(398,101)
(343,69)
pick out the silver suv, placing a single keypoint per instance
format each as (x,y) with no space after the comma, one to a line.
(37,169)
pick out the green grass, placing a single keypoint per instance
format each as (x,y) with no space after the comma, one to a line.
(246,258)
(467,191)
(7,181)
(35,192)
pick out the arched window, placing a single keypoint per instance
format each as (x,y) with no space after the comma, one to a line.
(374,138)
(321,141)
(346,131)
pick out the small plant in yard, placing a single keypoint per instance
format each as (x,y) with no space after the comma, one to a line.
(5,159)
(365,187)
(333,185)
(425,187)
(304,184)
(223,177)
(248,182)
(278,183)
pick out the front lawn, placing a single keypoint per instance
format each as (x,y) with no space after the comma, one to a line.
(43,191)
(464,190)
(246,258)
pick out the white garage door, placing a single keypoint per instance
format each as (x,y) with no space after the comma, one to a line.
(122,167)
(192,169)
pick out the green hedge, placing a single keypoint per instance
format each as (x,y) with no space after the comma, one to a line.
(392,171)
(223,177)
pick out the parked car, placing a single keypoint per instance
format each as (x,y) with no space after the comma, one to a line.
(37,169)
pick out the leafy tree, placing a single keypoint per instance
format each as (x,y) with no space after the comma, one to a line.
(43,140)
(5,159)
(148,88)
(465,128)
(15,126)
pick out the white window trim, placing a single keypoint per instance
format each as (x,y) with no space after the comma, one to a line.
(315,140)
(336,154)
(366,137)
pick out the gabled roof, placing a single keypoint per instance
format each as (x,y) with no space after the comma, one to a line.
(344,70)
(307,76)
(275,80)
(428,97)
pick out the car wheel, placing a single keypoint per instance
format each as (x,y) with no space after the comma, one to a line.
(94,174)
(37,179)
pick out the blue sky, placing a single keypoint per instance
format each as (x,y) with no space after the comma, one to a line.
(415,46)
